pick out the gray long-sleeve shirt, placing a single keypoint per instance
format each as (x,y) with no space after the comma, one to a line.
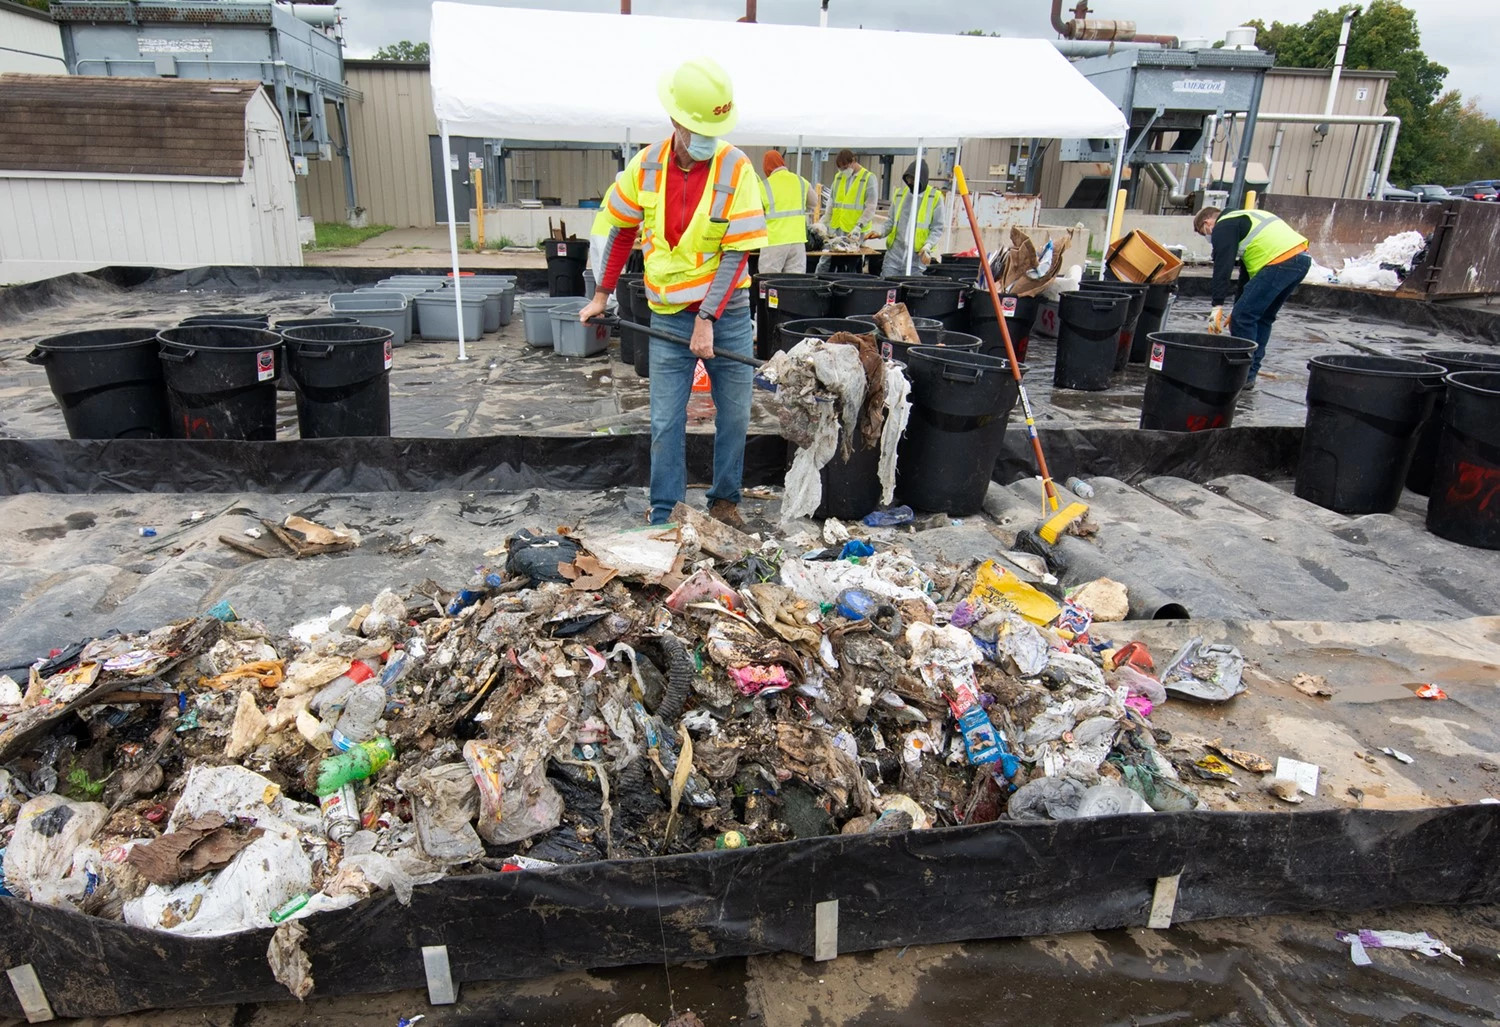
(900,245)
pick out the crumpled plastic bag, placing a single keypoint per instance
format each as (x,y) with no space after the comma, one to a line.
(999,587)
(516,801)
(400,871)
(1046,798)
(537,557)
(1106,800)
(1208,673)
(50,829)
(444,800)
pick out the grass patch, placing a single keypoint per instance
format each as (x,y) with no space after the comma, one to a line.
(335,235)
(505,242)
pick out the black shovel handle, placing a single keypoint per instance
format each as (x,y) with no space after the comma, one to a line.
(613,322)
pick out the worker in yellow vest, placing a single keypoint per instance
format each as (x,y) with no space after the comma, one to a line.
(1275,261)
(695,201)
(784,195)
(851,201)
(905,254)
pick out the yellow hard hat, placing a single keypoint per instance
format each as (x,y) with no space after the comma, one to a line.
(699,97)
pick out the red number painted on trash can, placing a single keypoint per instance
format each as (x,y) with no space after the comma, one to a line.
(1475,484)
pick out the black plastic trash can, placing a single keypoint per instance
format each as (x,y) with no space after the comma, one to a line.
(227,317)
(1137,294)
(863,295)
(940,298)
(1465,503)
(941,338)
(1020,316)
(630,338)
(108,382)
(221,381)
(288,323)
(792,332)
(1363,413)
(640,309)
(1424,458)
(961,401)
(1193,380)
(343,379)
(1158,305)
(1088,338)
(567,260)
(789,298)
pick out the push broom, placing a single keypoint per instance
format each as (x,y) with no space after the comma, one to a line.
(1053,527)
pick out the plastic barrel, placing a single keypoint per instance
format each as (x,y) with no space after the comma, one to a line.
(765,331)
(939,298)
(1158,304)
(1419,478)
(567,259)
(1137,294)
(1088,339)
(227,317)
(793,332)
(629,337)
(793,299)
(863,295)
(640,306)
(1465,503)
(343,379)
(1362,419)
(960,404)
(1020,316)
(108,382)
(1193,380)
(897,349)
(221,381)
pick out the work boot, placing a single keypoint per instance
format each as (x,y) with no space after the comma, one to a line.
(725,512)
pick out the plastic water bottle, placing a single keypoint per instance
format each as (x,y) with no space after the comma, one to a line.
(363,760)
(363,708)
(333,693)
(1080,488)
(340,813)
(482,582)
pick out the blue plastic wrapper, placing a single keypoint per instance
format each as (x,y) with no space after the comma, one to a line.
(896,515)
(856,548)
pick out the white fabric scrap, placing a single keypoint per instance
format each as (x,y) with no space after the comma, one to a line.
(1420,942)
(897,412)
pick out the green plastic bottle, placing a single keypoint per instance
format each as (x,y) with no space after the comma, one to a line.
(363,760)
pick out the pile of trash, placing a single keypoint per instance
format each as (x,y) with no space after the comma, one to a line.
(592,696)
(1384,267)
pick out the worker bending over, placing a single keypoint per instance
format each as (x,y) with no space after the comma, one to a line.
(1275,261)
(784,195)
(695,201)
(851,201)
(905,255)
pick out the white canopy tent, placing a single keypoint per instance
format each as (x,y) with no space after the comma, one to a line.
(515,73)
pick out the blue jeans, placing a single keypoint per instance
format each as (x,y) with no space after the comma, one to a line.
(1256,309)
(672,369)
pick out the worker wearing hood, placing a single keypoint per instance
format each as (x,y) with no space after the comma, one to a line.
(906,254)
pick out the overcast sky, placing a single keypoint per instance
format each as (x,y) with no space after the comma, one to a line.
(1459,34)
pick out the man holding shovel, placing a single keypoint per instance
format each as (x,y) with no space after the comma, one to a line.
(695,201)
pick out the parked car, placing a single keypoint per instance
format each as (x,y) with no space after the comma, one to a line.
(1390,192)
(1477,191)
(1432,193)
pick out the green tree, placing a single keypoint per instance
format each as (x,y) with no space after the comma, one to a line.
(978,32)
(405,50)
(1384,37)
(40,5)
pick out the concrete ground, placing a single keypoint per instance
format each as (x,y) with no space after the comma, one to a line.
(421,247)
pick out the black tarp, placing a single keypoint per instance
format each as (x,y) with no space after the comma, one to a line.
(989,881)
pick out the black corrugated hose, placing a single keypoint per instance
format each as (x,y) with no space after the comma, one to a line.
(680,671)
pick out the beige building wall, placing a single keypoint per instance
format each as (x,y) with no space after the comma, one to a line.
(29,41)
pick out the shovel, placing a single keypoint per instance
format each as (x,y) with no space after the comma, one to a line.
(614,322)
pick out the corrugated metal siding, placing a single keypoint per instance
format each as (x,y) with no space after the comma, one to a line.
(34,35)
(1332,171)
(392,157)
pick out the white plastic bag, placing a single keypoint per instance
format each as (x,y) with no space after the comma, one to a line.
(50,829)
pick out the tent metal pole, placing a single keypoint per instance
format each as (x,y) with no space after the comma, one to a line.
(1114,190)
(458,299)
(916,201)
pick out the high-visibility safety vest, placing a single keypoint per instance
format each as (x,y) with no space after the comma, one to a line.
(1269,237)
(931,197)
(728,217)
(849,194)
(785,197)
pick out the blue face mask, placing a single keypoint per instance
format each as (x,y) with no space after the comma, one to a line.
(701,147)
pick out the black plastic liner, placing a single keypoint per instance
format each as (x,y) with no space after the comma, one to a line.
(505,463)
(991,881)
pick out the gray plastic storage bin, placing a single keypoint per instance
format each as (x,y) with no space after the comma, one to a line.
(536,314)
(503,286)
(378,308)
(440,320)
(411,309)
(492,303)
(571,337)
